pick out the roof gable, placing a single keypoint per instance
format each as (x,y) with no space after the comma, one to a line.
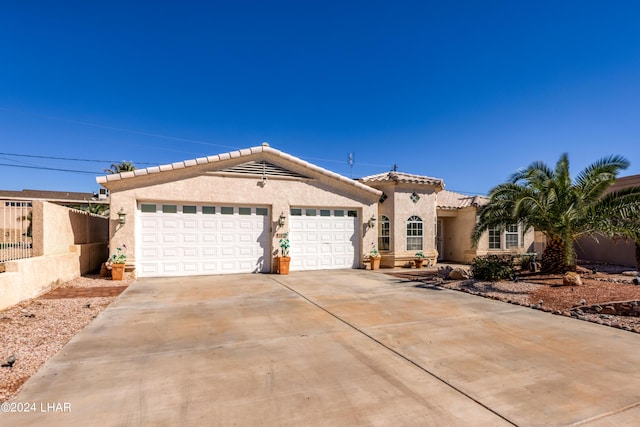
(278,163)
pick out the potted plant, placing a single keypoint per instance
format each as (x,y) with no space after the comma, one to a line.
(118,262)
(284,259)
(419,259)
(374,257)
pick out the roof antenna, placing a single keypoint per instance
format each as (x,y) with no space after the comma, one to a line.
(350,160)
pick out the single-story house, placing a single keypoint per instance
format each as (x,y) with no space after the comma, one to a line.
(227,214)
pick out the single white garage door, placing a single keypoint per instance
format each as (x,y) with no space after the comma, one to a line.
(188,240)
(323,238)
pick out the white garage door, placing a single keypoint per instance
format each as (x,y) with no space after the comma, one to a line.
(188,240)
(323,238)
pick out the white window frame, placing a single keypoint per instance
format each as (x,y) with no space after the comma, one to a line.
(507,238)
(384,233)
(415,233)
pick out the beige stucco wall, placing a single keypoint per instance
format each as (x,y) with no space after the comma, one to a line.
(457,227)
(195,185)
(483,247)
(399,207)
(67,243)
(30,277)
(605,250)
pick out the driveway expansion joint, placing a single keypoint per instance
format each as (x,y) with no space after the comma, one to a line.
(394,351)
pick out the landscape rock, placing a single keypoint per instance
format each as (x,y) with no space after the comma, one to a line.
(572,279)
(444,271)
(459,274)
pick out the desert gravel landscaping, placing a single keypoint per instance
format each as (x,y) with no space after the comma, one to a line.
(34,330)
(601,284)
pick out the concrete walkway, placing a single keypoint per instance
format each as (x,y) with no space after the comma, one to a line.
(348,347)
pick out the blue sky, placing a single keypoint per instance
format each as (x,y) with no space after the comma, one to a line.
(467,91)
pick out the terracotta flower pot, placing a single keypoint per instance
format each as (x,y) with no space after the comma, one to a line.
(117,271)
(418,262)
(283,264)
(375,262)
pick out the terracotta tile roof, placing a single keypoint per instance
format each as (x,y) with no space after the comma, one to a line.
(624,182)
(451,200)
(247,152)
(401,177)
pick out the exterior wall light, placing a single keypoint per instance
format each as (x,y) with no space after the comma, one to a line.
(372,221)
(122,217)
(281,219)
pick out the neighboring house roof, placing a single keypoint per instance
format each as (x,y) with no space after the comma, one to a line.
(624,182)
(401,177)
(51,196)
(451,200)
(247,154)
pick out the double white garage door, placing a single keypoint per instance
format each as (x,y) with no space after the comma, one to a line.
(187,240)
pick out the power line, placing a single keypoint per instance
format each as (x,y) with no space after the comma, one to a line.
(70,159)
(118,129)
(51,169)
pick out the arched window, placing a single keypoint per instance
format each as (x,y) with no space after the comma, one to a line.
(414,233)
(384,231)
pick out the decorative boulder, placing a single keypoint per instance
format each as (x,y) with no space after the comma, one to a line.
(572,279)
(458,274)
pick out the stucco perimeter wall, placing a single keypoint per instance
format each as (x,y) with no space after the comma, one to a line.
(30,277)
(66,244)
(279,194)
(606,250)
(56,228)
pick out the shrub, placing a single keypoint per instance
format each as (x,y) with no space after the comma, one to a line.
(491,268)
(524,261)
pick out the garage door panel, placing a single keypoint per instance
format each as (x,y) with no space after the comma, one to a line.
(208,252)
(209,238)
(190,252)
(193,243)
(190,238)
(190,267)
(323,242)
(169,252)
(170,267)
(149,238)
(208,224)
(169,238)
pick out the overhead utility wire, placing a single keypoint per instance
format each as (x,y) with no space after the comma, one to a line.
(71,159)
(132,131)
(51,169)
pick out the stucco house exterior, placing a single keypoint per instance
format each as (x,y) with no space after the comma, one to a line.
(227,214)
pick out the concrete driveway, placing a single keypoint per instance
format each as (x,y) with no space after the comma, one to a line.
(349,347)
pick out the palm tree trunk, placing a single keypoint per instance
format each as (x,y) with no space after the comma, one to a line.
(637,255)
(553,257)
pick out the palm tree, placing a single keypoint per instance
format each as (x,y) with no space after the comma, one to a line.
(123,166)
(562,209)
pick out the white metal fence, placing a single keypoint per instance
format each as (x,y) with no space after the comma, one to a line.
(16,239)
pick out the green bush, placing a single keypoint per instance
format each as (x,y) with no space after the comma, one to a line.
(491,268)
